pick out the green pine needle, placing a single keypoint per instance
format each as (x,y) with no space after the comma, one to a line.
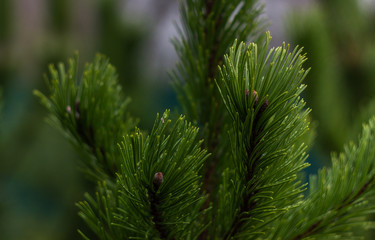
(243,181)
(261,92)
(90,111)
(340,196)
(168,207)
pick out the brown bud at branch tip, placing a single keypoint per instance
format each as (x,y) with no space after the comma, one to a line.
(78,103)
(255,95)
(69,109)
(158,179)
(77,114)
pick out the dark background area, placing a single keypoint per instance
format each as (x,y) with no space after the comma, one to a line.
(39,179)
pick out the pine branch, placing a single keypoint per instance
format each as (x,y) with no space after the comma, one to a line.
(158,186)
(90,112)
(208,29)
(175,153)
(150,186)
(340,197)
(155,202)
(98,213)
(266,160)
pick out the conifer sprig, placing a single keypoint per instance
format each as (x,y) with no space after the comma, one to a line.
(99,213)
(208,30)
(158,186)
(340,196)
(261,92)
(150,186)
(90,111)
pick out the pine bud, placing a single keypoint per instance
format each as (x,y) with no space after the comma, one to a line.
(69,109)
(77,114)
(78,104)
(162,120)
(158,179)
(255,97)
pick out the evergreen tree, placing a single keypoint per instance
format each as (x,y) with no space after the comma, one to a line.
(236,176)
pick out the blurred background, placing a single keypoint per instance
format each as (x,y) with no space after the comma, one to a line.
(39,180)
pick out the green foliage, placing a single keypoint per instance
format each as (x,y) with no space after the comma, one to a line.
(208,30)
(340,196)
(145,207)
(253,121)
(338,37)
(59,15)
(5,20)
(90,111)
(261,92)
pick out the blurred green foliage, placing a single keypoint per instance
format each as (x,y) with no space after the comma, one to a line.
(339,38)
(39,181)
(39,177)
(5,25)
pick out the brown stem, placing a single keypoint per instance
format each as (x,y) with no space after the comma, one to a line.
(359,193)
(156,215)
(247,204)
(313,228)
(209,181)
(213,130)
(251,164)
